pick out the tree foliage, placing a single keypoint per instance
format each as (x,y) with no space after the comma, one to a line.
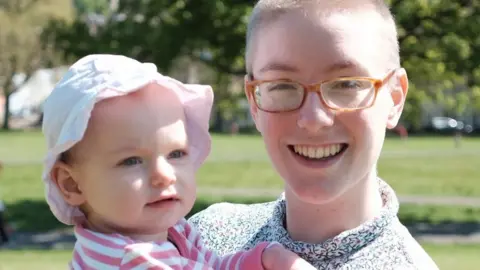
(208,32)
(439,39)
(440,49)
(83,7)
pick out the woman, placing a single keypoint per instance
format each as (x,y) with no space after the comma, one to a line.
(324,83)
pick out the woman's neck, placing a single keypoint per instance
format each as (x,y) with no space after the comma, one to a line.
(317,223)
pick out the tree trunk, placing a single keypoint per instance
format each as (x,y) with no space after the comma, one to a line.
(218,122)
(39,122)
(6,116)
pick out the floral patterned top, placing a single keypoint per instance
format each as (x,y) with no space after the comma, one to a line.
(382,243)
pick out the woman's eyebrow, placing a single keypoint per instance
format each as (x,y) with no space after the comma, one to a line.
(344,65)
(278,66)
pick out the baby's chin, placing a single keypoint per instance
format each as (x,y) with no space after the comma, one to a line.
(150,236)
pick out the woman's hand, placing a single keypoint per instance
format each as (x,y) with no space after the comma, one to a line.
(276,257)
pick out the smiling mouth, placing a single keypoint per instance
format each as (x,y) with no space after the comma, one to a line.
(318,153)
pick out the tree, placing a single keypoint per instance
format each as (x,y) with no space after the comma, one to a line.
(162,32)
(440,48)
(91,6)
(23,47)
(439,40)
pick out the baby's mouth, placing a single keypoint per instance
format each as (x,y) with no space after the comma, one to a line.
(163,201)
(323,152)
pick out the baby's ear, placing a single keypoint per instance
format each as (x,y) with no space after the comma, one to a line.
(62,176)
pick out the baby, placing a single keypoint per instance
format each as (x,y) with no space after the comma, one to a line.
(124,143)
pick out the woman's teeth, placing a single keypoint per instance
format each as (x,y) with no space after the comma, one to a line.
(318,152)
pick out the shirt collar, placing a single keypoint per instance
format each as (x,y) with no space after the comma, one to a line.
(347,242)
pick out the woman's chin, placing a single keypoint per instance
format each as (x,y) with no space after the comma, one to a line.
(316,194)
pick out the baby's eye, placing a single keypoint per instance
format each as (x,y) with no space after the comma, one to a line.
(177,154)
(131,161)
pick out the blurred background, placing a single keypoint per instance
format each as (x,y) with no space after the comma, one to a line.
(431,159)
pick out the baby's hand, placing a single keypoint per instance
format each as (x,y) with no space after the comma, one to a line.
(276,257)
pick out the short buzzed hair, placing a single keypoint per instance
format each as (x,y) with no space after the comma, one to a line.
(266,11)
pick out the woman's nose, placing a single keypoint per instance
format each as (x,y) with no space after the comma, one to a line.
(314,115)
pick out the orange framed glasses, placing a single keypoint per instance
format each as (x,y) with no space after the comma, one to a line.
(341,94)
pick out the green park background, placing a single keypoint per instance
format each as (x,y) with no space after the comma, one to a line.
(435,175)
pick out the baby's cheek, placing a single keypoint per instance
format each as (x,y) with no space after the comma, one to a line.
(123,198)
(187,185)
(186,179)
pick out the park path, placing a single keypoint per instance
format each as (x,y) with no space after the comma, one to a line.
(465,233)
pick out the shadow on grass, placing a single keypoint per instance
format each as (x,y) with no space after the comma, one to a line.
(440,220)
(35,215)
(36,227)
(32,216)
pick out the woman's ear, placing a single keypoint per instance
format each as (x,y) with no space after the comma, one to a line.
(62,175)
(398,92)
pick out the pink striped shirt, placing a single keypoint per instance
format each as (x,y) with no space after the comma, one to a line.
(184,250)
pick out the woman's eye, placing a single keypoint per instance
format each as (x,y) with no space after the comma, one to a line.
(348,85)
(131,161)
(177,154)
(283,86)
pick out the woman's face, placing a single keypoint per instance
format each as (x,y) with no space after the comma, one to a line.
(336,46)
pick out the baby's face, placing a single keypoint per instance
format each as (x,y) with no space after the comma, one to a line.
(133,167)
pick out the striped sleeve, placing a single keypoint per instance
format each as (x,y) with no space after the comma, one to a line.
(152,256)
(97,251)
(251,259)
(100,251)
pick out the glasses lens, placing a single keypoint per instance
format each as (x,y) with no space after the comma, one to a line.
(348,94)
(279,96)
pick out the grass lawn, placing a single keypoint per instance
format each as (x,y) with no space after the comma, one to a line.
(430,166)
(427,166)
(17,146)
(34,259)
(458,257)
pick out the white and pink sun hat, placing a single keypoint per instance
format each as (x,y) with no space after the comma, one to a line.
(97,77)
